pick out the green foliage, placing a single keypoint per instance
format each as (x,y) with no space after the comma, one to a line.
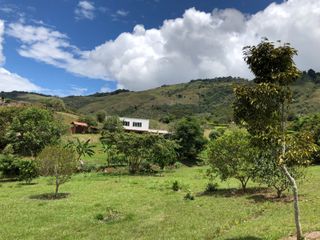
(27,170)
(164,152)
(138,149)
(272,64)
(176,186)
(55,104)
(232,156)
(113,125)
(32,129)
(211,187)
(7,115)
(101,116)
(9,166)
(58,162)
(82,148)
(189,196)
(310,124)
(91,121)
(215,133)
(268,172)
(189,135)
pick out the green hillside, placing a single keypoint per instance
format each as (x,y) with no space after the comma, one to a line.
(210,98)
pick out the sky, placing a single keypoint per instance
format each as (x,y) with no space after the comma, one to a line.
(72,47)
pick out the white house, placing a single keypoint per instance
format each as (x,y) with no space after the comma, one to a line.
(135,124)
(139,125)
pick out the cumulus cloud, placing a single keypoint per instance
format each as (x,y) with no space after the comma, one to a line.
(12,81)
(85,10)
(197,45)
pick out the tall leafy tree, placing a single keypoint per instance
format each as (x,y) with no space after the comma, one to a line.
(32,129)
(189,135)
(262,107)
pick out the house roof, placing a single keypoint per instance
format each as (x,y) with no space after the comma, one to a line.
(82,124)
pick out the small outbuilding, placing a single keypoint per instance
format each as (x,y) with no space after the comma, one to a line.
(79,127)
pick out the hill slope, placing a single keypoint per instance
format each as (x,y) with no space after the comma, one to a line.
(210,98)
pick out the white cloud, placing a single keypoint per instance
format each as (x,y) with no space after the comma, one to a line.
(197,45)
(12,81)
(2,58)
(85,10)
(122,13)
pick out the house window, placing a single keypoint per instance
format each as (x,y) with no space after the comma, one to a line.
(126,123)
(137,124)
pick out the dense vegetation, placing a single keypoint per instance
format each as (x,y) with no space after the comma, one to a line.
(210,98)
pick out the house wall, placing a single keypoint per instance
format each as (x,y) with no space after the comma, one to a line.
(136,121)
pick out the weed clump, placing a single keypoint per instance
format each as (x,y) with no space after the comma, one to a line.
(176,186)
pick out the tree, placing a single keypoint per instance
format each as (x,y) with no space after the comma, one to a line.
(58,162)
(189,135)
(55,104)
(27,170)
(7,115)
(262,107)
(32,129)
(312,74)
(164,152)
(136,148)
(268,172)
(101,116)
(112,125)
(232,156)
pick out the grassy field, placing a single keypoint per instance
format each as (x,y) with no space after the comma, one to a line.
(145,207)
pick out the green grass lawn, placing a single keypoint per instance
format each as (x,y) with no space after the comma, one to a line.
(148,209)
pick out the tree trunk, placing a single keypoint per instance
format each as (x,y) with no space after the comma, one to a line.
(57,186)
(287,173)
(296,202)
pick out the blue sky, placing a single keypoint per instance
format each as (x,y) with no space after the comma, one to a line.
(76,47)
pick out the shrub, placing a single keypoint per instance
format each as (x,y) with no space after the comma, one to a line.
(176,186)
(232,156)
(27,171)
(189,196)
(211,187)
(9,166)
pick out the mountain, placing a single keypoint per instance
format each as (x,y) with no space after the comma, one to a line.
(209,98)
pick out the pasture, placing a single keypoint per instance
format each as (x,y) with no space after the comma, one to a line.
(145,207)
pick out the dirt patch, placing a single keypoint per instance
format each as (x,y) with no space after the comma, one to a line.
(50,196)
(308,236)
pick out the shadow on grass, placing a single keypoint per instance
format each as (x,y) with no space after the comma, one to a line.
(267,197)
(4,180)
(235,192)
(245,238)
(49,196)
(27,184)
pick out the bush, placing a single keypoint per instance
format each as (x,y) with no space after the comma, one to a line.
(27,171)
(9,166)
(176,186)
(189,196)
(211,187)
